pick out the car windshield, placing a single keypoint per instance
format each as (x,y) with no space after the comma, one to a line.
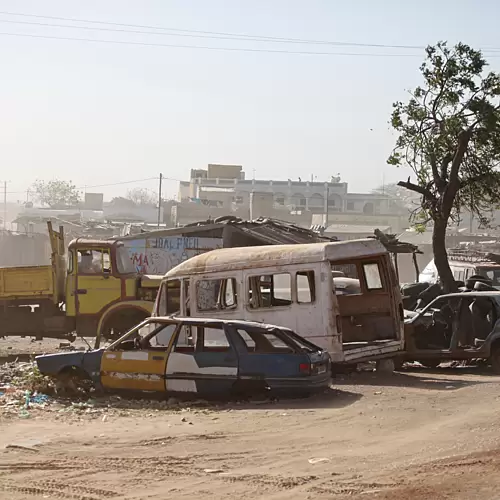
(124,263)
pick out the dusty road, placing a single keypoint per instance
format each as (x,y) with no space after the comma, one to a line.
(412,435)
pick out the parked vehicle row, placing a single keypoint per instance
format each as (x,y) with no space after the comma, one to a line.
(338,320)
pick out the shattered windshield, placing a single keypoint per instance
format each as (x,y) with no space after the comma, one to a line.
(124,263)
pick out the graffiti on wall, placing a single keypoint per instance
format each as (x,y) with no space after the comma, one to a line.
(159,255)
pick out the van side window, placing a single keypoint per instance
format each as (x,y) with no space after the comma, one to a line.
(306,287)
(347,270)
(270,290)
(372,276)
(216,294)
(173,296)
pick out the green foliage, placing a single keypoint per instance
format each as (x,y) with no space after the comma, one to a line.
(56,193)
(449,134)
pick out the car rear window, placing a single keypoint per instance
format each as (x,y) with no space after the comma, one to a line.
(264,342)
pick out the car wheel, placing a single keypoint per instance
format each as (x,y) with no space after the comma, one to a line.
(495,359)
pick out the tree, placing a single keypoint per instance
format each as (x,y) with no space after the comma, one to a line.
(141,196)
(449,135)
(55,193)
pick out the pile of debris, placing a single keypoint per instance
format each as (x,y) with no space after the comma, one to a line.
(26,393)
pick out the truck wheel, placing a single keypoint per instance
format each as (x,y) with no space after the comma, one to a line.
(495,359)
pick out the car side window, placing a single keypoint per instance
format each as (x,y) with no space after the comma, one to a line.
(186,339)
(264,342)
(214,340)
(164,336)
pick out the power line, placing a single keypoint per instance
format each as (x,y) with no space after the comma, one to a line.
(110,184)
(205,47)
(219,33)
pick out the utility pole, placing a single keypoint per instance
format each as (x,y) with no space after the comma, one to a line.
(159,201)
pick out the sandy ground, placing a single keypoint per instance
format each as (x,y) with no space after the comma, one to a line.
(421,434)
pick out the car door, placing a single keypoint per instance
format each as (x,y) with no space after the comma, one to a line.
(139,369)
(269,356)
(203,361)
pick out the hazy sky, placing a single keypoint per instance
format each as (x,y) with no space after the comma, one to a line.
(99,113)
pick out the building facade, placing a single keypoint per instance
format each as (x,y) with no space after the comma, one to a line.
(296,196)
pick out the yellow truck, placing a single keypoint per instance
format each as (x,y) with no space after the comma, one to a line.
(93,289)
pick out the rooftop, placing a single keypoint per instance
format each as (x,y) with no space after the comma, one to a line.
(227,259)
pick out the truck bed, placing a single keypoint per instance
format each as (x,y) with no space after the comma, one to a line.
(26,283)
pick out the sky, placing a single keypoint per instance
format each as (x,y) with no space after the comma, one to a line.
(115,115)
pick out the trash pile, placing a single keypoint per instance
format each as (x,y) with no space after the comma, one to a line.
(26,393)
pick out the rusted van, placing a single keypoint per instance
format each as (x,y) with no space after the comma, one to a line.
(293,286)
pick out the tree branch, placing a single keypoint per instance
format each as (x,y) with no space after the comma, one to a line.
(416,189)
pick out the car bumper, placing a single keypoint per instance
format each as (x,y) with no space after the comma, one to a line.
(300,383)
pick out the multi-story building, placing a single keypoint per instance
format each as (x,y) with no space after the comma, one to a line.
(223,184)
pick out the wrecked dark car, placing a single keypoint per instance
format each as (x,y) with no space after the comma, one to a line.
(199,357)
(456,326)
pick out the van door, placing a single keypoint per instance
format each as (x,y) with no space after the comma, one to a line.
(370,314)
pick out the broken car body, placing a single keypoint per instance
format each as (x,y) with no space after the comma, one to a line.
(199,356)
(455,326)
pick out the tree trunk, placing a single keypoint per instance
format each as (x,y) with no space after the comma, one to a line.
(441,257)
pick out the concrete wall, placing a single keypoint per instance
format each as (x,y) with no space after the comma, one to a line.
(216,171)
(24,250)
(397,223)
(261,205)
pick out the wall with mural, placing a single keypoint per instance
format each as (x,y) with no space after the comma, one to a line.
(159,255)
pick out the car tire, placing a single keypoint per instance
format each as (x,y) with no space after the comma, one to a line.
(495,359)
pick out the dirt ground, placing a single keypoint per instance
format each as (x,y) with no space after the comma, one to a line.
(419,434)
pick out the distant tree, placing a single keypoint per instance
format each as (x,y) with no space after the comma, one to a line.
(141,196)
(449,135)
(55,193)
(120,201)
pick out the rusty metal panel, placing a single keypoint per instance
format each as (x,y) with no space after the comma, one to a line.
(135,370)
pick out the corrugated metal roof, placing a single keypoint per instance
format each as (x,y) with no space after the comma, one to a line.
(267,231)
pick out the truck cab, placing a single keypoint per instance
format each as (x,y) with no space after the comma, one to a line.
(104,292)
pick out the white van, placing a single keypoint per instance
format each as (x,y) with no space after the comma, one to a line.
(292,286)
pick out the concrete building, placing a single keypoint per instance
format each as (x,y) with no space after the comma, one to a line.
(295,201)
(224,181)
